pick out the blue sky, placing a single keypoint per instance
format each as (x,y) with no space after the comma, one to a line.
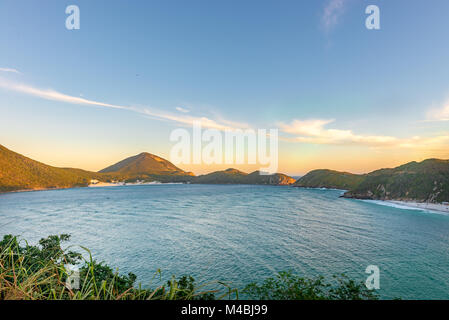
(336,90)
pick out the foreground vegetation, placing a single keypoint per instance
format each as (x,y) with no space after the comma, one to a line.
(29,272)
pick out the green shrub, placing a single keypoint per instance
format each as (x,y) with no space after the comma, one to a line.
(287,286)
(39,273)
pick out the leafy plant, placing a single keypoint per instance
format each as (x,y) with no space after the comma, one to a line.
(39,273)
(287,286)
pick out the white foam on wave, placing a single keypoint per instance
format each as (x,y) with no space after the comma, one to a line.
(410,206)
(327,189)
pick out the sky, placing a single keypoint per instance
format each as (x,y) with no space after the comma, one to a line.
(342,96)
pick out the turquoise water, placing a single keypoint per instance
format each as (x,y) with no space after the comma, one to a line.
(241,233)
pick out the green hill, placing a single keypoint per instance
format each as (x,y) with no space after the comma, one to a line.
(420,181)
(234,176)
(228,176)
(323,178)
(18,172)
(147,167)
(415,181)
(272,179)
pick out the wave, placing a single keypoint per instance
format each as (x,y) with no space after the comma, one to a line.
(429,208)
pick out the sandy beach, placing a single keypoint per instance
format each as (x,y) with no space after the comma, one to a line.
(118,184)
(421,205)
(105,184)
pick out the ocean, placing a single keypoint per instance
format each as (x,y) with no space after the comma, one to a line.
(241,233)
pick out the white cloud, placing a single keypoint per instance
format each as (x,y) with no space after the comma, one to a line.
(312,127)
(332,13)
(53,95)
(188,120)
(439,114)
(10,70)
(49,94)
(315,132)
(183,110)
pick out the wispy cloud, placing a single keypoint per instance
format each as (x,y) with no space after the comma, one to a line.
(440,113)
(49,94)
(10,70)
(54,95)
(332,13)
(183,110)
(315,132)
(190,120)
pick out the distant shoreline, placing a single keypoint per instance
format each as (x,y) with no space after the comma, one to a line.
(39,189)
(120,184)
(97,185)
(401,204)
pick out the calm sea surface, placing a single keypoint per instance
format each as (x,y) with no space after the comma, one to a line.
(241,233)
